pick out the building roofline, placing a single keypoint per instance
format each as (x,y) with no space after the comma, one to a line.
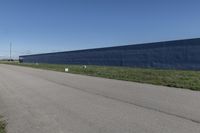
(141,45)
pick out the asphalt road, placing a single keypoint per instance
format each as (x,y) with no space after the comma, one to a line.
(41,101)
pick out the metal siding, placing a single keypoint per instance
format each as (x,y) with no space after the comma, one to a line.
(181,54)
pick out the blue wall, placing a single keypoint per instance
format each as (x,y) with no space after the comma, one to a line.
(180,54)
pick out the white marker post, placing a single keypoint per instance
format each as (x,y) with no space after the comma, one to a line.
(66,69)
(84,66)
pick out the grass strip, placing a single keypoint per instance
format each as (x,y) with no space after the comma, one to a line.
(2,126)
(172,78)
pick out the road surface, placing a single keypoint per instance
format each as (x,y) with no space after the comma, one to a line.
(41,101)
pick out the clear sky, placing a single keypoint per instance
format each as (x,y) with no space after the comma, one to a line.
(37,26)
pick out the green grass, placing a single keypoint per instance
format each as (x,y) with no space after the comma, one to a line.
(172,78)
(2,126)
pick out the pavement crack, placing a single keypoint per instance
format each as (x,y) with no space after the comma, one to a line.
(128,102)
(119,100)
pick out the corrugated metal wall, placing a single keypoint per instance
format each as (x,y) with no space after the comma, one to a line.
(181,54)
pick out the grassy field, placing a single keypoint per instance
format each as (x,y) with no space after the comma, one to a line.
(2,126)
(172,78)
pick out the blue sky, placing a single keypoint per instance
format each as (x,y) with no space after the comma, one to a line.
(37,26)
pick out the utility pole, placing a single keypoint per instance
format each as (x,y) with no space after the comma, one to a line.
(10,51)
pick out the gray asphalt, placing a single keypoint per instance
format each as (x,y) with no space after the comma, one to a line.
(41,101)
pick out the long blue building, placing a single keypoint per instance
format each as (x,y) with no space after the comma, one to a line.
(179,54)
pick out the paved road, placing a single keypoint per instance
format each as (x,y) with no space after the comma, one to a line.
(40,101)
